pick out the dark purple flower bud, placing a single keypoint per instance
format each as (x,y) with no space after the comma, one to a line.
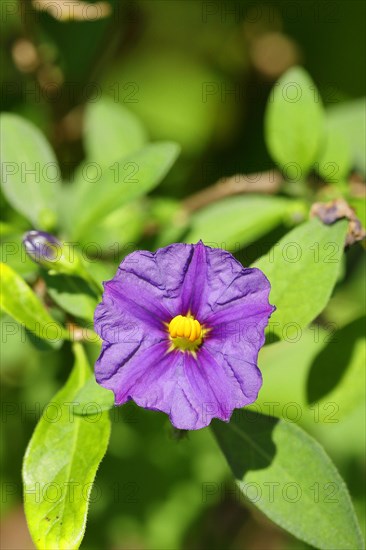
(42,247)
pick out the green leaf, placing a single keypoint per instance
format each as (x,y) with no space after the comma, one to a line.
(172,222)
(111,132)
(337,373)
(334,163)
(31,174)
(117,232)
(73,294)
(92,397)
(294,123)
(12,252)
(348,303)
(358,204)
(236,221)
(21,303)
(327,381)
(349,120)
(283,393)
(60,465)
(120,183)
(104,271)
(303,268)
(287,475)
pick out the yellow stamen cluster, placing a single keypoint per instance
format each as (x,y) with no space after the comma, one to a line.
(185,327)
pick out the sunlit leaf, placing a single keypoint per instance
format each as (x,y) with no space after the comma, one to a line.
(30,172)
(60,465)
(21,303)
(92,397)
(358,204)
(12,252)
(303,268)
(111,132)
(334,161)
(120,183)
(349,120)
(72,294)
(294,125)
(118,231)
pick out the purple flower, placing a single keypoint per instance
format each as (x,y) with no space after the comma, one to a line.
(181,332)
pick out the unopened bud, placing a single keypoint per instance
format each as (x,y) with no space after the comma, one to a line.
(47,251)
(42,247)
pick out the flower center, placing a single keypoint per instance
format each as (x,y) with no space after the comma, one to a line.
(185,333)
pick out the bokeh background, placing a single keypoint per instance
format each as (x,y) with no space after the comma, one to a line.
(198,73)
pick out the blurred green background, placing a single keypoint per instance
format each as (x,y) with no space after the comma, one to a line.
(198,73)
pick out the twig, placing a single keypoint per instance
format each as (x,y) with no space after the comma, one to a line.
(261,182)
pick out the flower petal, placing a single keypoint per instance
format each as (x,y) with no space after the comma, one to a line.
(237,328)
(127,312)
(148,376)
(216,283)
(141,372)
(149,290)
(241,292)
(214,389)
(191,391)
(179,271)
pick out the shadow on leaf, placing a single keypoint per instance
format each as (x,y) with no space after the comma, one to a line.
(255,431)
(330,365)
